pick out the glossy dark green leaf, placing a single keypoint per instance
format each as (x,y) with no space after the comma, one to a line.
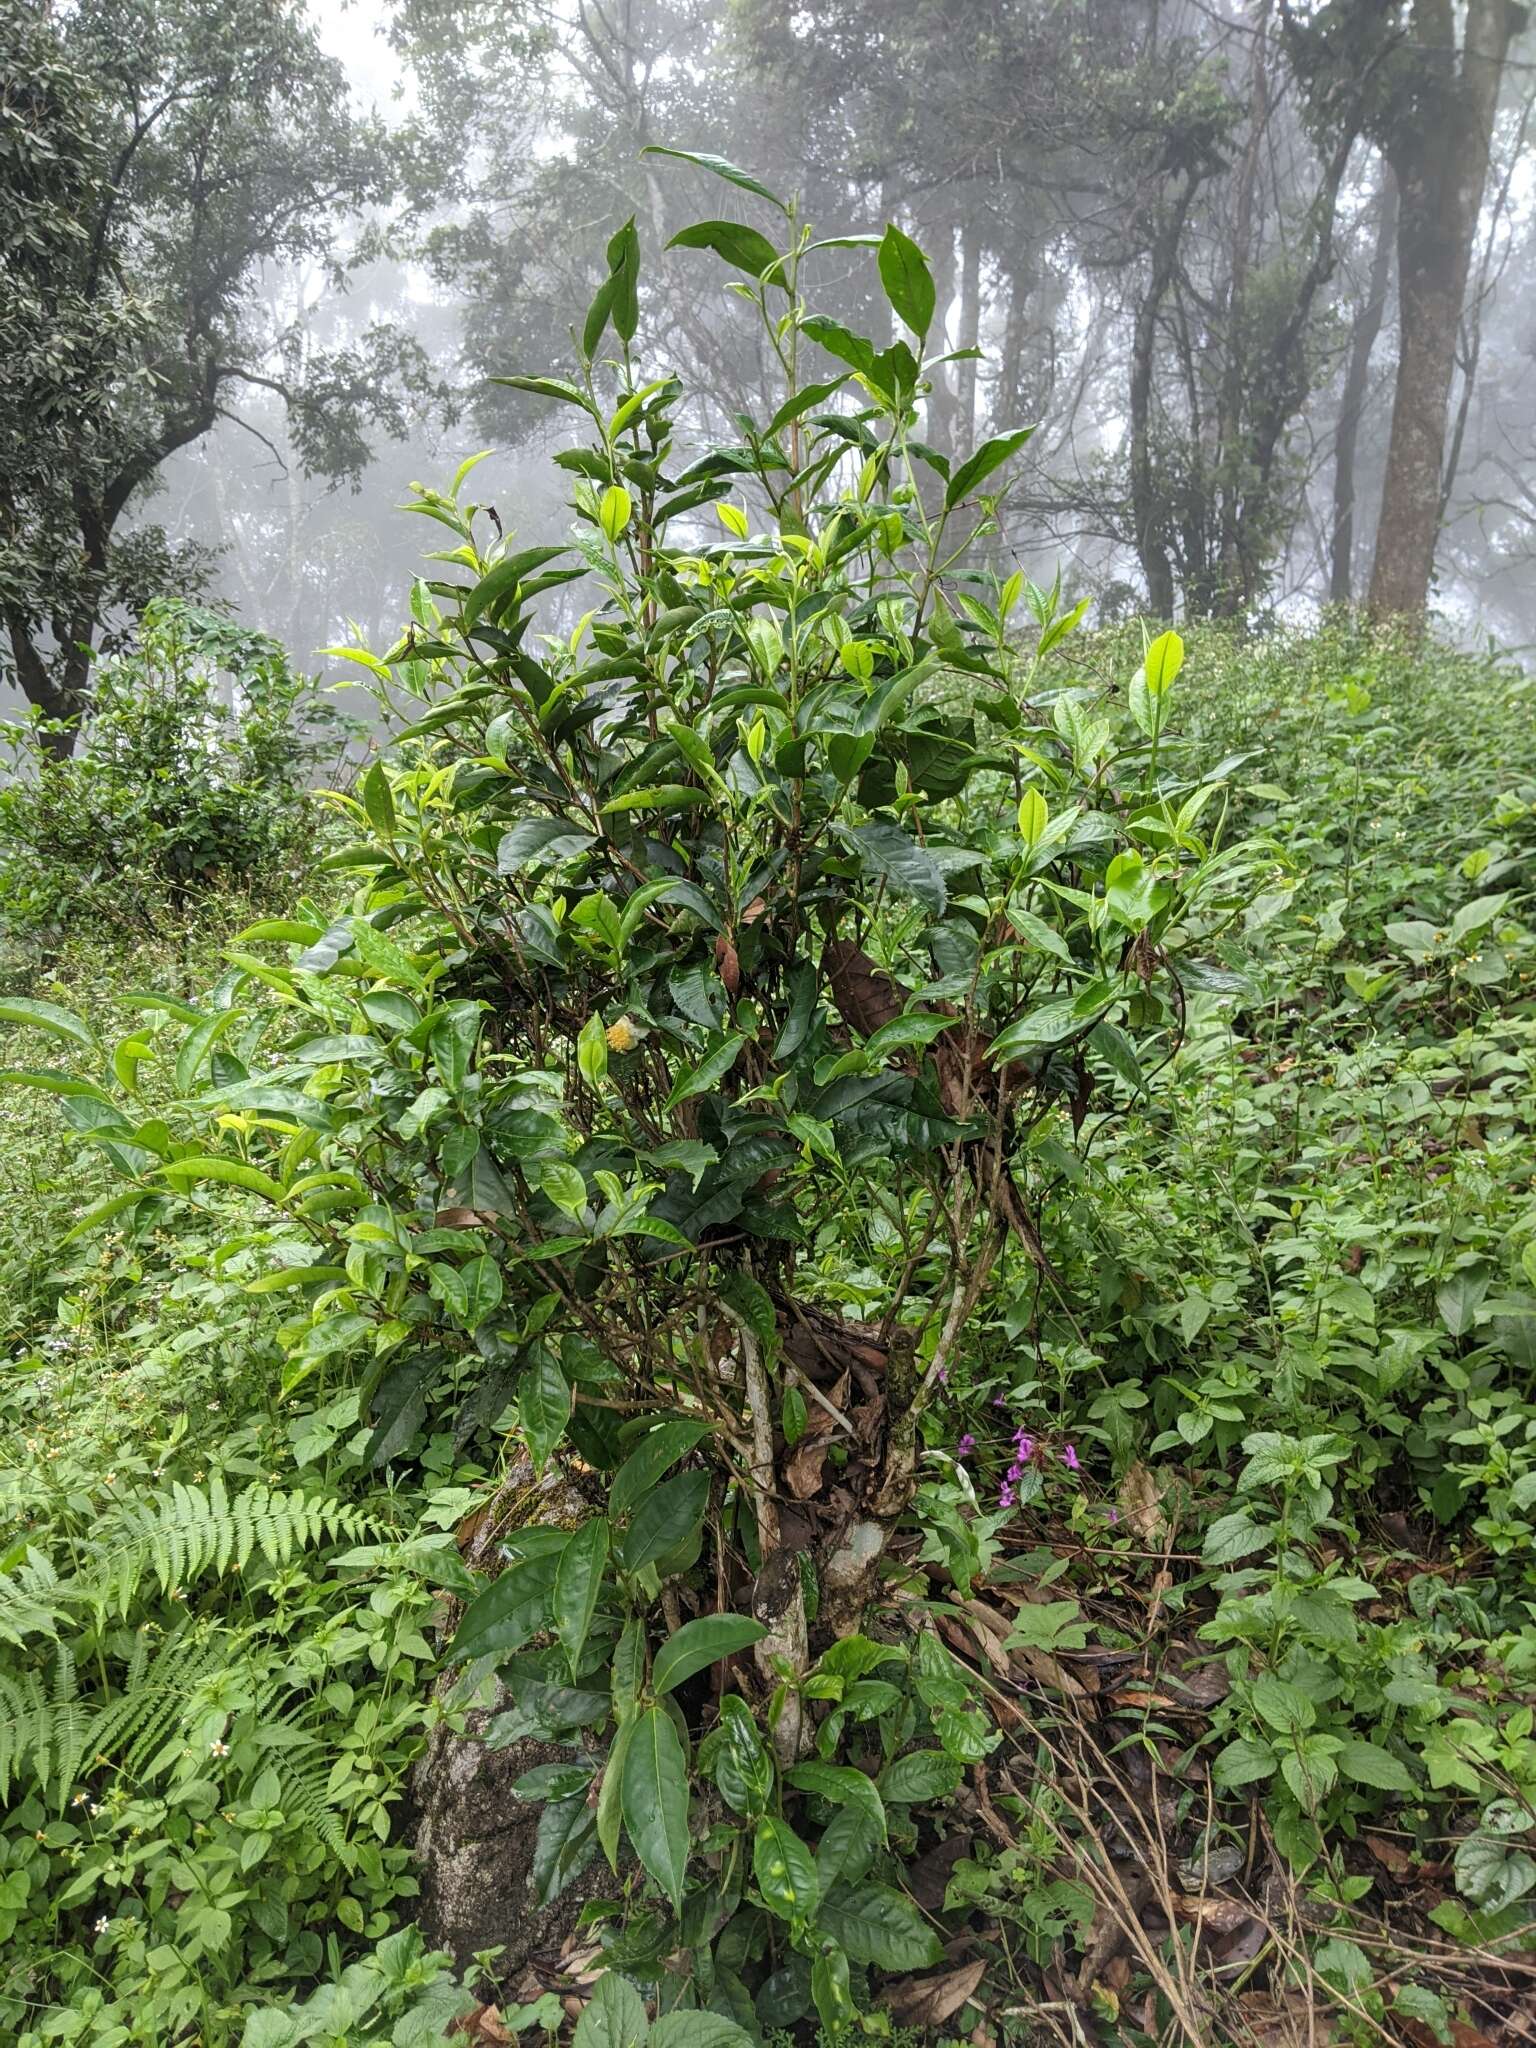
(544,1403)
(665,1519)
(922,1775)
(562,1848)
(512,1609)
(700,1643)
(743,1767)
(742,246)
(891,855)
(991,455)
(656,1451)
(847,1847)
(879,1926)
(579,1586)
(907,279)
(654,1800)
(722,167)
(784,1869)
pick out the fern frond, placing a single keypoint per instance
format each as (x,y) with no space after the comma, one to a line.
(153,1704)
(305,1781)
(177,1537)
(41,1728)
(32,1599)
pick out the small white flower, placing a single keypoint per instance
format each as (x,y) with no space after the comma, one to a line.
(218,1749)
(103,1924)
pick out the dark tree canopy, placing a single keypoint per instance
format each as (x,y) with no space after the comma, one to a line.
(156,154)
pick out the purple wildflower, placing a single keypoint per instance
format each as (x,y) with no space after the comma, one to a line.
(1114,1516)
(999,1400)
(943,1373)
(1024,1445)
(966,1445)
(1005,1495)
(1069,1458)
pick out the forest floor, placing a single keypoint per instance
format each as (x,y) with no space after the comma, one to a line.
(1262,1649)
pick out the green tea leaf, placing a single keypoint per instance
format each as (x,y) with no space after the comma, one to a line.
(651,1457)
(784,1869)
(49,1017)
(878,1926)
(665,1519)
(511,1609)
(544,1403)
(721,166)
(742,246)
(654,1798)
(991,455)
(907,280)
(579,1586)
(700,1643)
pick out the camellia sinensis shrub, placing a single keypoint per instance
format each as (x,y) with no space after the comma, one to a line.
(751,950)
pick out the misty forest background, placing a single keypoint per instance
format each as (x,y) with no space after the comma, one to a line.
(768,1201)
(1174,229)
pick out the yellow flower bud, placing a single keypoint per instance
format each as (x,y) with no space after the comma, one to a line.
(621,1035)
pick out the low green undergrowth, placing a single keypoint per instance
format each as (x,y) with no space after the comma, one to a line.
(1187,1682)
(1287,1340)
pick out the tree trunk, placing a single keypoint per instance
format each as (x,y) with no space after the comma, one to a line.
(1439,149)
(970,326)
(941,401)
(1147,509)
(60,698)
(1356,390)
(1231,593)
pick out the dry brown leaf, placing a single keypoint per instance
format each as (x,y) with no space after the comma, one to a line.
(483,2026)
(1390,1855)
(1223,1916)
(1141,1504)
(1045,1670)
(803,1467)
(728,965)
(930,2001)
(1463,2035)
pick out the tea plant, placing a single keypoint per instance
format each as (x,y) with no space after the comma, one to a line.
(750,952)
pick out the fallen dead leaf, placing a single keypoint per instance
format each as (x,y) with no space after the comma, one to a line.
(1141,1504)
(1390,1855)
(928,1878)
(483,2026)
(1463,2035)
(1223,1916)
(1046,1670)
(930,2001)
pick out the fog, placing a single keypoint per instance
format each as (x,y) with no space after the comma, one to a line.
(1039,245)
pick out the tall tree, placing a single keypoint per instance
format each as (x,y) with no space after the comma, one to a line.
(1430,97)
(1437,137)
(1362,340)
(154,154)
